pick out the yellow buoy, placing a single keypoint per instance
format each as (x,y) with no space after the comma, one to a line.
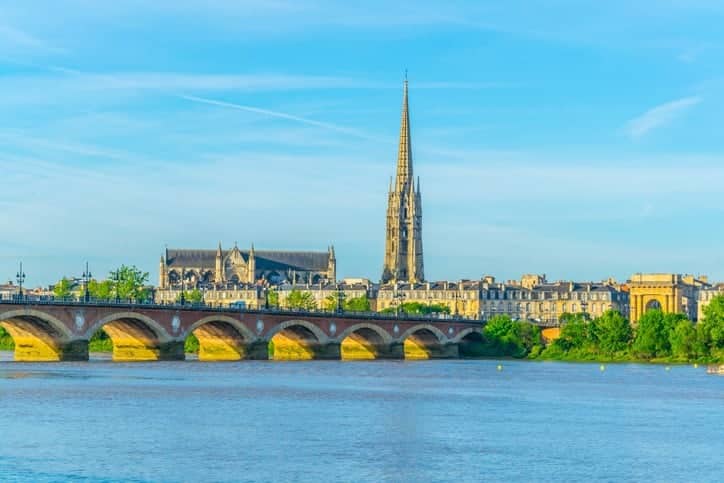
(696,365)
(500,367)
(602,367)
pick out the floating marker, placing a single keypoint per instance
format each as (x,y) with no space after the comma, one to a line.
(602,367)
(668,368)
(500,367)
(696,365)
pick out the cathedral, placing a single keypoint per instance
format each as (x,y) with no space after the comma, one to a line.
(403,244)
(212,268)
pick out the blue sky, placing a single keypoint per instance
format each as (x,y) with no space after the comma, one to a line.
(578,139)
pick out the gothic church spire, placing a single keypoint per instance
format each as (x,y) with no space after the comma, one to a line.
(403,245)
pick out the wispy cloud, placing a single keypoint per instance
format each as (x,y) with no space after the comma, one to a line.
(659,116)
(280,115)
(19,38)
(16,41)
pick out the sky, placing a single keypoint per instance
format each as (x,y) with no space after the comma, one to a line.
(579,139)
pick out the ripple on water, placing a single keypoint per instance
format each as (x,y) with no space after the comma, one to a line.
(358,421)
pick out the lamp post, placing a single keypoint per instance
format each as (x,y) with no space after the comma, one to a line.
(86,280)
(584,306)
(339,299)
(118,285)
(20,277)
(397,296)
(182,299)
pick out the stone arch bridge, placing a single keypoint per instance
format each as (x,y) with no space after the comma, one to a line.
(55,331)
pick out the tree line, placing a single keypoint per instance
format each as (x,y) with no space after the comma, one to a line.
(125,283)
(657,337)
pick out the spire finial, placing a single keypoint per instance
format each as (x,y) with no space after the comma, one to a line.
(405,74)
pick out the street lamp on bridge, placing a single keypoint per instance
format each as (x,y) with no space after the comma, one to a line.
(117,278)
(86,280)
(20,277)
(182,299)
(398,297)
(339,299)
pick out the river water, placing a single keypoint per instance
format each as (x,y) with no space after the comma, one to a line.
(359,421)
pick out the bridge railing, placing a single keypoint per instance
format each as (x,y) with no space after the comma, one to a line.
(187,306)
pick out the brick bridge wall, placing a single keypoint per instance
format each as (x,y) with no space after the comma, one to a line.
(61,331)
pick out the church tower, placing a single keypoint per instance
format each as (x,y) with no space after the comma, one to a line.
(403,245)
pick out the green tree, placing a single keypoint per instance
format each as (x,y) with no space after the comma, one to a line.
(710,331)
(505,337)
(297,300)
(131,282)
(417,308)
(652,334)
(574,332)
(191,344)
(194,296)
(100,342)
(334,301)
(358,304)
(498,327)
(683,341)
(272,298)
(6,341)
(613,332)
(101,290)
(63,289)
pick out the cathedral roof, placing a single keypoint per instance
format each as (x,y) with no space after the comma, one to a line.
(264,259)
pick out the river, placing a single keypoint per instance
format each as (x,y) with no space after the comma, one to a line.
(419,421)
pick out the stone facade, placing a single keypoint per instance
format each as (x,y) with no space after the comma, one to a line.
(403,244)
(540,301)
(670,292)
(239,295)
(705,296)
(234,269)
(322,292)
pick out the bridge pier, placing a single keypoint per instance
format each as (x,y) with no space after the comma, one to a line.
(258,350)
(449,350)
(328,351)
(172,351)
(394,350)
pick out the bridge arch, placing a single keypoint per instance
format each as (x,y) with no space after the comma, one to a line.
(137,337)
(39,336)
(467,333)
(296,340)
(221,338)
(470,342)
(423,341)
(365,341)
